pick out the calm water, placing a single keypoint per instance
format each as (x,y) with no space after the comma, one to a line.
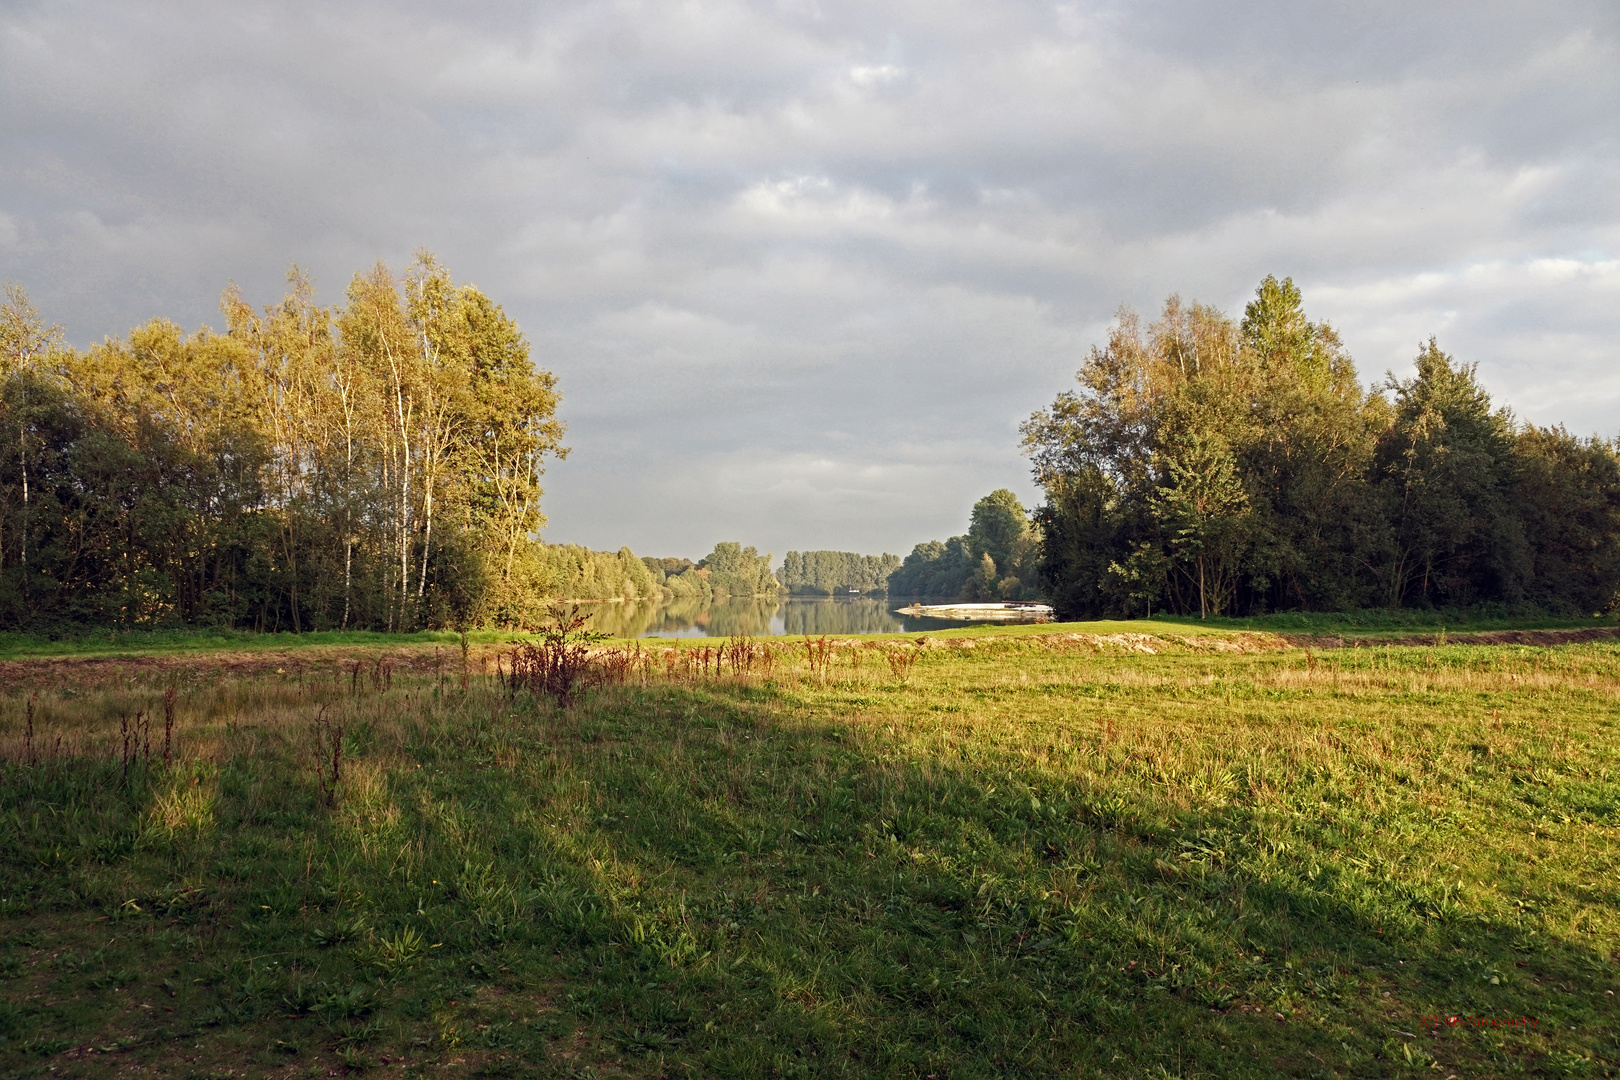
(758,617)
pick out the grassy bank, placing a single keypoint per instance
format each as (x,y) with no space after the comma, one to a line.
(109,644)
(188,641)
(1027,859)
(1358,626)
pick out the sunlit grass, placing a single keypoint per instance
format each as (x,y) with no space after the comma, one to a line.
(1037,855)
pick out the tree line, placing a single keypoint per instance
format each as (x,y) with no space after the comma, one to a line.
(998,558)
(730,570)
(371,465)
(1210,465)
(833,573)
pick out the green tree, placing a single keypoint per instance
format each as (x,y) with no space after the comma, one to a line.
(1202,508)
(373,465)
(1080,526)
(1447,469)
(997,525)
(1124,454)
(738,571)
(27,350)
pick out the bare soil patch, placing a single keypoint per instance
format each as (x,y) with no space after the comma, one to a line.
(1575,636)
(103,672)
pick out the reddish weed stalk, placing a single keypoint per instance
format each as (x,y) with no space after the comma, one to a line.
(328,739)
(560,666)
(902,660)
(168,724)
(820,652)
(136,734)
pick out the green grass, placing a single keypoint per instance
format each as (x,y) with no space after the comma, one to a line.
(159,643)
(1369,625)
(1033,859)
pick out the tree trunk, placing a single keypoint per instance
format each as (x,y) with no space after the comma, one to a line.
(348,557)
(427,539)
(1202,608)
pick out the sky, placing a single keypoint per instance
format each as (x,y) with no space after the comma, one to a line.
(801,267)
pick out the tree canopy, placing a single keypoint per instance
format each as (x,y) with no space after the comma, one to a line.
(830,573)
(1206,465)
(375,464)
(997,559)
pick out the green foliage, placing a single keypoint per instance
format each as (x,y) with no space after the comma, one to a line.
(934,569)
(374,466)
(571,572)
(1446,467)
(835,573)
(997,559)
(1202,507)
(733,570)
(997,525)
(1206,467)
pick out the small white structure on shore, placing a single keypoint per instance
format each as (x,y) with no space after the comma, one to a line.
(1007,611)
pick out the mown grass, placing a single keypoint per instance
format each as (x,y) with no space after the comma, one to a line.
(142,643)
(1028,860)
(1367,626)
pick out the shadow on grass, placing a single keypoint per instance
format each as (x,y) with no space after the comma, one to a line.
(678,879)
(860,904)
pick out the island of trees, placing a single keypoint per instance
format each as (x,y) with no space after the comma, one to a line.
(998,559)
(834,573)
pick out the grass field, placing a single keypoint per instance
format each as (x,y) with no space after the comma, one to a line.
(1370,627)
(1037,853)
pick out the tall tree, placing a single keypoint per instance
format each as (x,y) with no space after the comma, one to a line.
(1447,469)
(311,467)
(1202,508)
(25,343)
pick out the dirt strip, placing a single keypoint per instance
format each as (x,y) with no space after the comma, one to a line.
(339,663)
(102,672)
(1575,636)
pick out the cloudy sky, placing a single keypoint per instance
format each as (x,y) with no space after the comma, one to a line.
(801,267)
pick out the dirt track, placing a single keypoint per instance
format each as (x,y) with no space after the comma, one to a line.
(1483,637)
(101,672)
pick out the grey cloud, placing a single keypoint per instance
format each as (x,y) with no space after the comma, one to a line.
(801,267)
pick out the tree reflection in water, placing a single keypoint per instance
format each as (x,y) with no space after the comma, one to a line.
(760,616)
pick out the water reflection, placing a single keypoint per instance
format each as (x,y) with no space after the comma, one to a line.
(756,617)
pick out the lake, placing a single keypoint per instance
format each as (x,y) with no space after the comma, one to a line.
(758,617)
